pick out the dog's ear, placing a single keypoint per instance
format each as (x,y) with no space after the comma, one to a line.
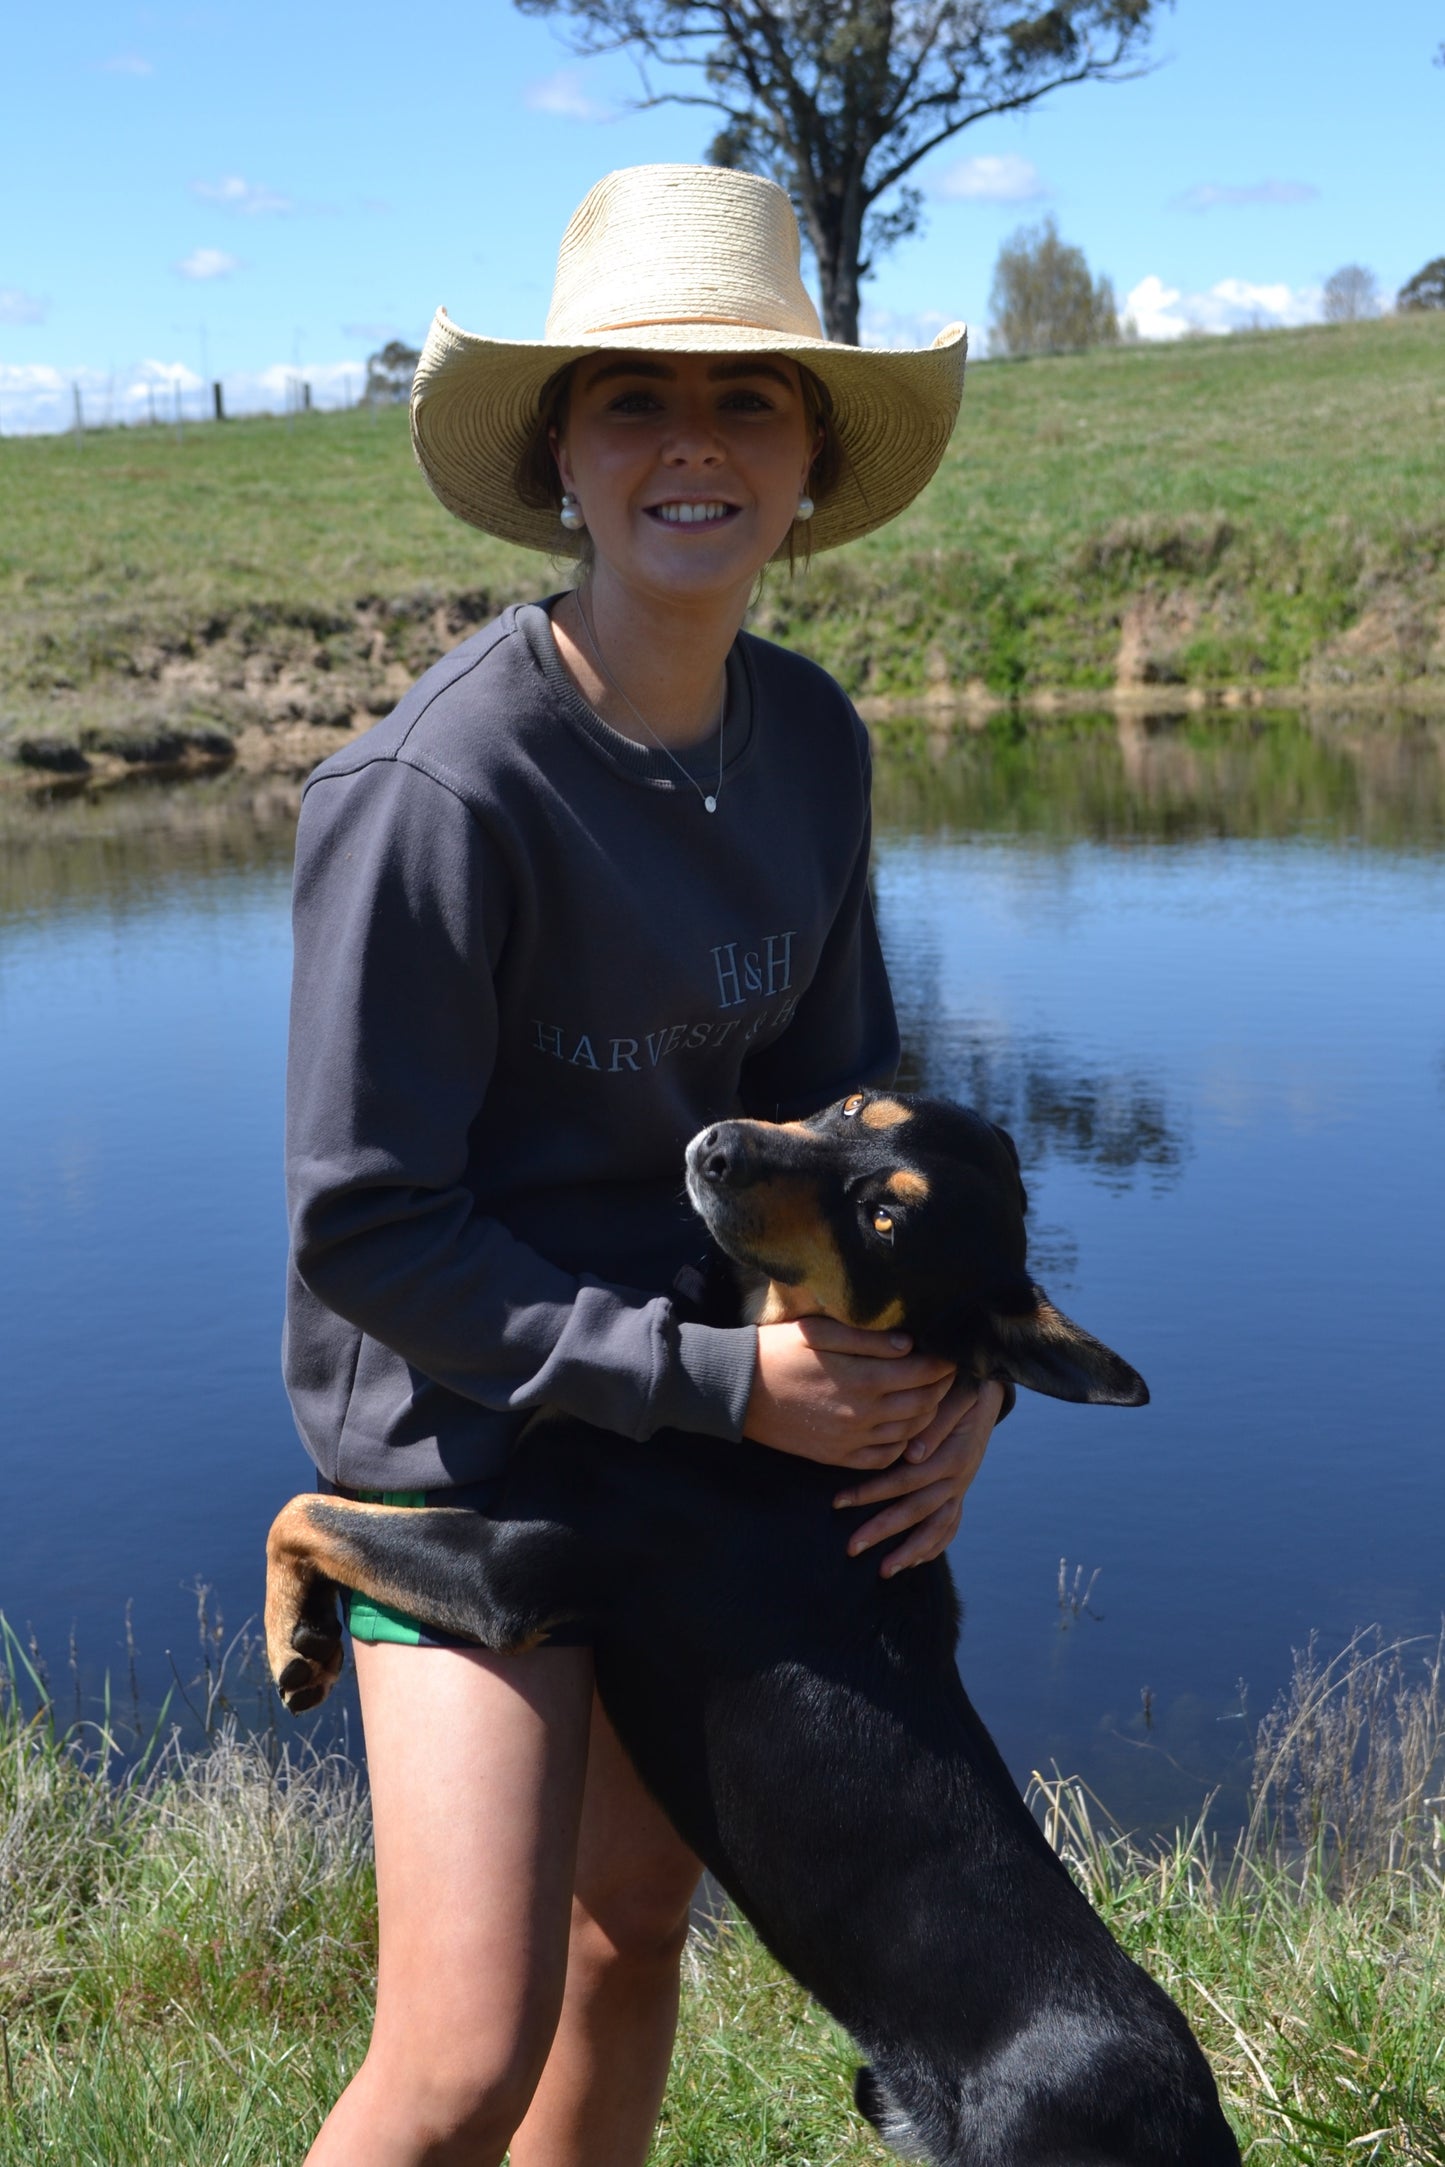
(1038,1346)
(1013,1151)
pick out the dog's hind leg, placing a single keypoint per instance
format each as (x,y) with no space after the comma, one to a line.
(303,1623)
(893,2123)
(495,1582)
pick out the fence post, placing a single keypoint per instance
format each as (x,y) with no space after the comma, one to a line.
(305,398)
(180,438)
(220,402)
(79,420)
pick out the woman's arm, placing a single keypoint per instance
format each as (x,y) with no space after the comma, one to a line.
(402,910)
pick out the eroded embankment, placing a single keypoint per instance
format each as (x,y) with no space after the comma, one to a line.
(1189,616)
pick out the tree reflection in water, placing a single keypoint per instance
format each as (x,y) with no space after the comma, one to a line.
(1118,1126)
(1377,778)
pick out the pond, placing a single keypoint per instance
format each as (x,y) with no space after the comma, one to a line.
(1194,965)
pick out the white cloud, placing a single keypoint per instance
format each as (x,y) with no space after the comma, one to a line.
(562,95)
(1215,195)
(1231,304)
(208,263)
(1151,305)
(886,328)
(23,377)
(126,64)
(239,195)
(1008,179)
(1236,304)
(17,307)
(164,375)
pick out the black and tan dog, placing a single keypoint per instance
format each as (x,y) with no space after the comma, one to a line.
(800,1718)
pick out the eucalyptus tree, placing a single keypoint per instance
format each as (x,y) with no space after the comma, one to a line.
(840,100)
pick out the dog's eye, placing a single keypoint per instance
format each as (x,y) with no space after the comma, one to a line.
(883,1224)
(852,1105)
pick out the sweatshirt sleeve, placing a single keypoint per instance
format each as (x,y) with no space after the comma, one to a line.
(401,909)
(843,1033)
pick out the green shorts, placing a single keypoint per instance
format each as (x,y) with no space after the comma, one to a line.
(370,1621)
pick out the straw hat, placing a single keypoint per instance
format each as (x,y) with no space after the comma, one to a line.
(682,260)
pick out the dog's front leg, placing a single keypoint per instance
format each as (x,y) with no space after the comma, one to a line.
(500,1583)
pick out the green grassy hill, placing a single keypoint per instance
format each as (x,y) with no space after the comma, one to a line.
(1260,511)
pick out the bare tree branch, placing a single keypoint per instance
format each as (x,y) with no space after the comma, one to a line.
(841,99)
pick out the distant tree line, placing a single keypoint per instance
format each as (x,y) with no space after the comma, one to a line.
(1043,299)
(1353,292)
(1427,288)
(389,372)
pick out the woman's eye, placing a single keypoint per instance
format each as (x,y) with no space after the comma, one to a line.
(883,1224)
(748,402)
(633,402)
(852,1105)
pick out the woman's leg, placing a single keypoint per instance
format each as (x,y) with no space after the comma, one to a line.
(597,2101)
(477,1766)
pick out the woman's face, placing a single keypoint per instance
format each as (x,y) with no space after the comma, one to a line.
(688,467)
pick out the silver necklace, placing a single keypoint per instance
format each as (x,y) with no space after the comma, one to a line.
(709,797)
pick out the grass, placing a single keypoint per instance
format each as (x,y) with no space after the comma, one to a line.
(1259,511)
(186,1951)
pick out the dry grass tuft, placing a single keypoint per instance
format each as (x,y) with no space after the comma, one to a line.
(187,1954)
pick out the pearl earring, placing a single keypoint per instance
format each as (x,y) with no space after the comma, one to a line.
(805,508)
(571,514)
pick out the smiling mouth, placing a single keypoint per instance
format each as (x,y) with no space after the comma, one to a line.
(710,514)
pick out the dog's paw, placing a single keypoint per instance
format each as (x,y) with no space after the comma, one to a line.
(306,1673)
(308,1676)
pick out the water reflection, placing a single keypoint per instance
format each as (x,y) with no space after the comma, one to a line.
(1054,1100)
(1188,964)
(1116,1125)
(1373,778)
(67,849)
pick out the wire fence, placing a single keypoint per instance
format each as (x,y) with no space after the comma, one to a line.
(46,402)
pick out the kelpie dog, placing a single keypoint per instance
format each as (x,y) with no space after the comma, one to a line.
(799,1717)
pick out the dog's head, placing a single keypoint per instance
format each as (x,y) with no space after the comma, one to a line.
(885,1210)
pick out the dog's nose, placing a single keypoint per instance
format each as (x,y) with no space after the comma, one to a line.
(716,1155)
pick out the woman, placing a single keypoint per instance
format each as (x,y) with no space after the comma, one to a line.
(600,880)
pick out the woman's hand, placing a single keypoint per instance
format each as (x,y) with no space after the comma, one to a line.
(929,1483)
(827,1391)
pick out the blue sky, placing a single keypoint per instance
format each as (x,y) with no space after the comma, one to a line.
(210,190)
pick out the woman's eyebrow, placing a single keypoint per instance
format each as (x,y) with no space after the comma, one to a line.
(638,367)
(721,372)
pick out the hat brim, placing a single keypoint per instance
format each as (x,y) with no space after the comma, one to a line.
(476,403)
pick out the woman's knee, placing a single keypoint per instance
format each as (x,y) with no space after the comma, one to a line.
(639,1921)
(448,2104)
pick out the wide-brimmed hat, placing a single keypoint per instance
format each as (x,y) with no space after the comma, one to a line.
(680,260)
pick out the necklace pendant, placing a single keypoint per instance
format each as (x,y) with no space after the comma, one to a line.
(710,803)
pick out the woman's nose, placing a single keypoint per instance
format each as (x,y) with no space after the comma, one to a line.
(693,443)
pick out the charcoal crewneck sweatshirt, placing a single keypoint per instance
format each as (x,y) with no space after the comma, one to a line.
(529,966)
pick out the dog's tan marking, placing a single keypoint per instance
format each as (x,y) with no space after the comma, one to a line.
(304,1550)
(780,1305)
(884,1114)
(789,1230)
(886,1319)
(909,1187)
